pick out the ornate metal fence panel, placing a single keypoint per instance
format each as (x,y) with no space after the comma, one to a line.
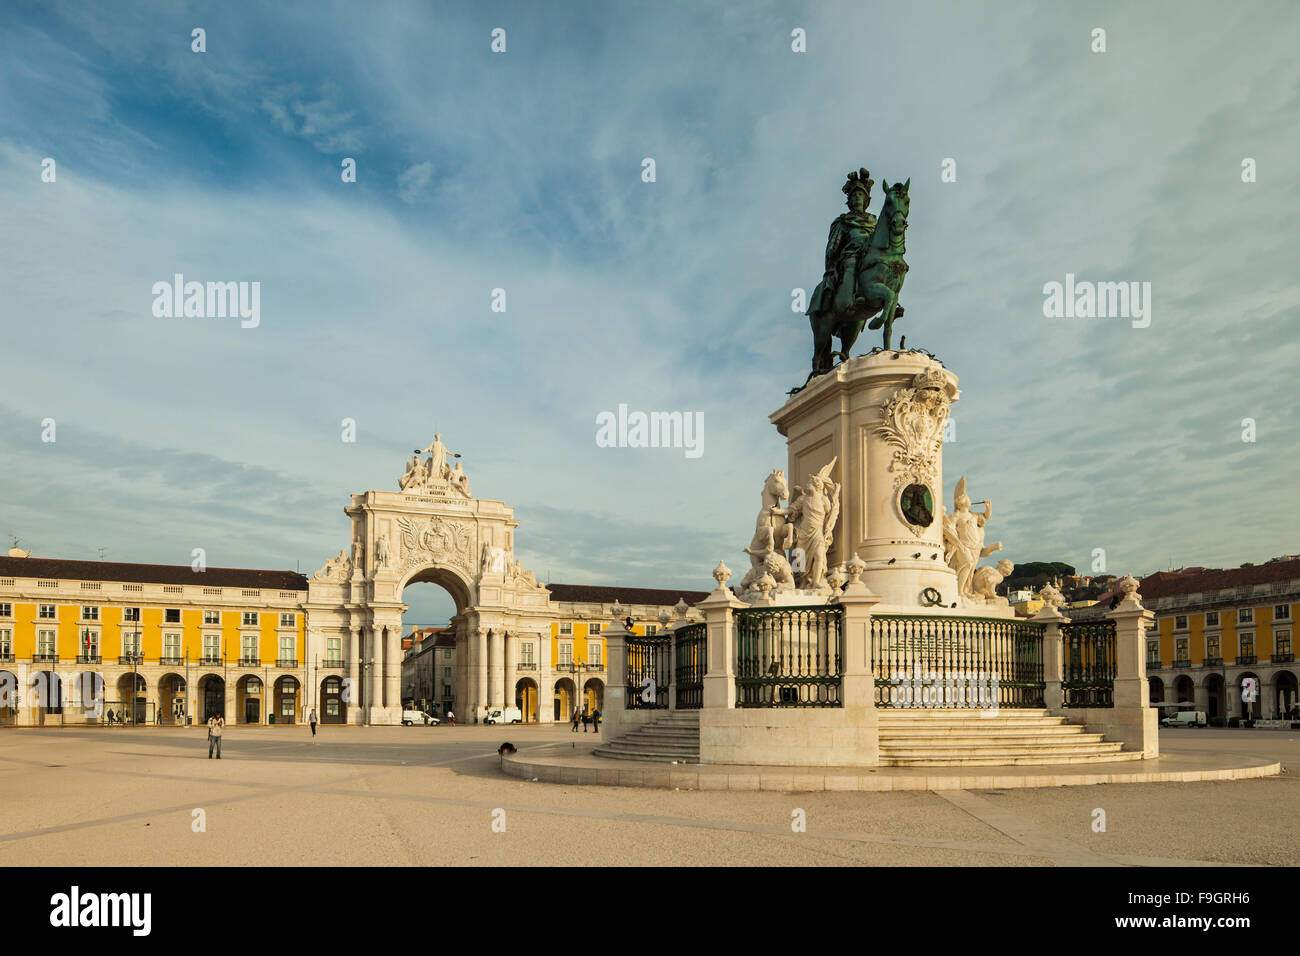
(1089,649)
(649,667)
(692,661)
(930,661)
(789,656)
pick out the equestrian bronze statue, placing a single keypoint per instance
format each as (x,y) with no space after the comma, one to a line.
(864,271)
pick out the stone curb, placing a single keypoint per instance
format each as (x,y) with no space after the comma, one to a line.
(695,777)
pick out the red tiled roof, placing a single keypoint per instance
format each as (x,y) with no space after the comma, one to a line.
(1189,580)
(603,594)
(51,568)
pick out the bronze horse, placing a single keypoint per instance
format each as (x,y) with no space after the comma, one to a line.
(876,279)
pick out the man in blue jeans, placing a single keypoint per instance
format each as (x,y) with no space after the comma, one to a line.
(215,725)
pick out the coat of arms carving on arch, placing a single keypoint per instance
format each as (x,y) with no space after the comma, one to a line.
(449,540)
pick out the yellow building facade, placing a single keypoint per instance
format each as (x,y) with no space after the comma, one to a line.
(101,642)
(1215,629)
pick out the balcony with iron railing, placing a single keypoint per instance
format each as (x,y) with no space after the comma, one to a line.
(210,659)
(330,663)
(1212,662)
(131,658)
(88,659)
(45,658)
(171,659)
(250,662)
(1283,658)
(1246,659)
(286,662)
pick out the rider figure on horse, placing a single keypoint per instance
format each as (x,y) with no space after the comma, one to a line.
(846,249)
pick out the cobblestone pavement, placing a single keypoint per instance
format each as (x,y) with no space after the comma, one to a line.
(434,796)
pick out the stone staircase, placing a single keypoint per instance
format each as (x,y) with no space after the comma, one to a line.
(673,736)
(975,738)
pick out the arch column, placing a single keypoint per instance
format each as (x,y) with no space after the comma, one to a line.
(480,670)
(496,667)
(393,673)
(545,679)
(511,668)
(352,700)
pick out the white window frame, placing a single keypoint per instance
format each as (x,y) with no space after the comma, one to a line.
(1182,626)
(167,613)
(289,643)
(566,652)
(594,654)
(334,650)
(6,642)
(215,641)
(47,612)
(245,642)
(566,627)
(1282,612)
(1215,622)
(6,609)
(1280,635)
(526,652)
(93,633)
(292,619)
(249,619)
(47,641)
(131,643)
(171,644)
(90,612)
(1246,615)
(130,615)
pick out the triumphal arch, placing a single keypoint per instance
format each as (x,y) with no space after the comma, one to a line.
(431,528)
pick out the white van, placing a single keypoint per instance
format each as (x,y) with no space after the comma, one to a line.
(410,717)
(1185,718)
(509,715)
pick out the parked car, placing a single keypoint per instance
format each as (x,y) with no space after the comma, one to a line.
(508,715)
(1185,718)
(412,717)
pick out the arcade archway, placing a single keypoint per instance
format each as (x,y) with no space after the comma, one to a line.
(333,707)
(212,692)
(526,699)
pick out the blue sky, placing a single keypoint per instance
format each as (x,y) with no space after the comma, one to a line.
(522,171)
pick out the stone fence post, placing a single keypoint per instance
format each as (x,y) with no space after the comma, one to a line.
(719,615)
(1053,657)
(1134,714)
(614,717)
(861,734)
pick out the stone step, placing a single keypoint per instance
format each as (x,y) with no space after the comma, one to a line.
(625,744)
(931,733)
(894,741)
(1083,750)
(929,713)
(1013,761)
(991,718)
(656,756)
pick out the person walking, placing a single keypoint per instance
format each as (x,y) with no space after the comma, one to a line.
(311,719)
(216,723)
(585,719)
(451,715)
(575,720)
(595,720)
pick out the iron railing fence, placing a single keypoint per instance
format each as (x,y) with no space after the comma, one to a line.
(692,661)
(789,656)
(649,672)
(1089,671)
(931,661)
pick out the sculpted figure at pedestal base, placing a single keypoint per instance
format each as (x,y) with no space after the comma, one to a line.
(771,529)
(768,562)
(813,511)
(963,540)
(986,581)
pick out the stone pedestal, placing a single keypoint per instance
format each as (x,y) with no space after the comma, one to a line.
(881,416)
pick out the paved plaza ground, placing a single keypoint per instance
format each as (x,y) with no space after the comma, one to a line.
(429,796)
